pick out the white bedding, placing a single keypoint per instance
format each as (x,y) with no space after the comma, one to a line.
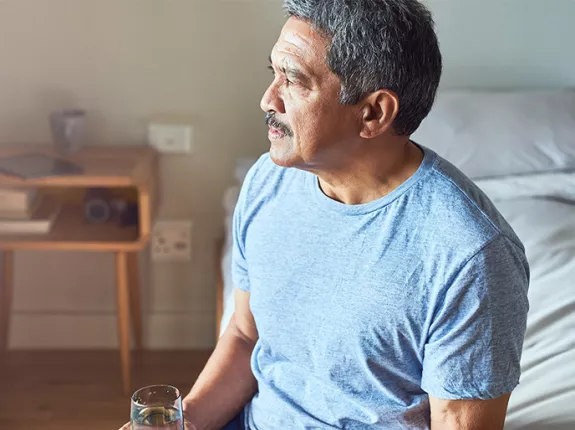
(495,133)
(545,398)
(560,184)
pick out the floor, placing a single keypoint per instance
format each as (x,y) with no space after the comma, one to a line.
(68,390)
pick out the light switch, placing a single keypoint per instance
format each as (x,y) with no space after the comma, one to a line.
(171,138)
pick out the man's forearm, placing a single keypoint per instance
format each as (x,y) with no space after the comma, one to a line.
(225,385)
(468,414)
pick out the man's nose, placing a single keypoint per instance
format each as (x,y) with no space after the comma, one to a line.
(271,101)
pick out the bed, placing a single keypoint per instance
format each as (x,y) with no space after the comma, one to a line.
(528,169)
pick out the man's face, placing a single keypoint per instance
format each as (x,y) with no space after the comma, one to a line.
(307,124)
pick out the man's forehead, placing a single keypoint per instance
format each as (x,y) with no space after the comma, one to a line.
(299,39)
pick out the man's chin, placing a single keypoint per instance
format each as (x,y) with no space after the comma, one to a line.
(282,154)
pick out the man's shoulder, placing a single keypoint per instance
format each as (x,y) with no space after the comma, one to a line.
(460,207)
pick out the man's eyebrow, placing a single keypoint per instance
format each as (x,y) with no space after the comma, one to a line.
(290,70)
(295,73)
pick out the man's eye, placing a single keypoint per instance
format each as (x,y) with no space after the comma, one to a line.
(287,80)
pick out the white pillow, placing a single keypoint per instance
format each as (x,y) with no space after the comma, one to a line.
(502,133)
(560,185)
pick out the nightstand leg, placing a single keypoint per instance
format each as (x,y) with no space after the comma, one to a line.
(135,300)
(123,298)
(6,292)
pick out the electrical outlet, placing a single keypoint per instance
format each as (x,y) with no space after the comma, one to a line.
(171,138)
(172,241)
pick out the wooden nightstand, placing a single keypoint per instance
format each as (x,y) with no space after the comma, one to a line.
(119,168)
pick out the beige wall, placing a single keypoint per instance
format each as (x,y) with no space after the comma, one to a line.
(126,60)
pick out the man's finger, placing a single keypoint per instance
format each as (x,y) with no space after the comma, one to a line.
(189,426)
(126,427)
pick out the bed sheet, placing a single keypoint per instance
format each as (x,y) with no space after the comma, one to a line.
(545,397)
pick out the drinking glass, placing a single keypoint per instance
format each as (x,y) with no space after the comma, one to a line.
(157,407)
(68,130)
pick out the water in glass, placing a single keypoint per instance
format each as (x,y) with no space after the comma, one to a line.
(157,407)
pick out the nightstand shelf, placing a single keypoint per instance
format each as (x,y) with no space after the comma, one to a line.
(132,168)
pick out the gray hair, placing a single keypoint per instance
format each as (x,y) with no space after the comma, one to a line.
(379,44)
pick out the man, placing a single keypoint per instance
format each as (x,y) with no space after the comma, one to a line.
(378,288)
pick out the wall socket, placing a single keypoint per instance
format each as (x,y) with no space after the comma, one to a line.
(172,241)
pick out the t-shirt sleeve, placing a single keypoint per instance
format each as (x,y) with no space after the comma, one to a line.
(240,277)
(476,336)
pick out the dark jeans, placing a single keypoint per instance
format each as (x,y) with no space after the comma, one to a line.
(236,424)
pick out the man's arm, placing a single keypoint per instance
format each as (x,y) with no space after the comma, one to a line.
(227,383)
(468,414)
(474,341)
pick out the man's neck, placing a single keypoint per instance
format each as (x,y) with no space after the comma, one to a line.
(372,175)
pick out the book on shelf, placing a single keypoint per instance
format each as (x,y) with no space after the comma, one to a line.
(32,166)
(20,213)
(40,222)
(19,200)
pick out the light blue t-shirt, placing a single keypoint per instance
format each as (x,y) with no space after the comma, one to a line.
(364,310)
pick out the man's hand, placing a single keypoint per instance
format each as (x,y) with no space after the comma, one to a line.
(227,383)
(468,414)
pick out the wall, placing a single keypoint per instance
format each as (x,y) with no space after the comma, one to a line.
(126,60)
(506,43)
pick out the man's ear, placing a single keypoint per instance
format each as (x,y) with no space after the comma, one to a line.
(379,110)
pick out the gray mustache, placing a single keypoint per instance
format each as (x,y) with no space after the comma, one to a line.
(271,121)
